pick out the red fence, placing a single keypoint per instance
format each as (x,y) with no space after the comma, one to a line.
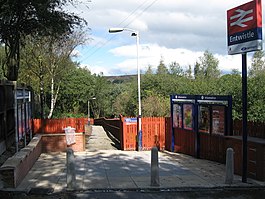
(51,126)
(255,129)
(153,133)
(184,141)
(126,132)
(156,132)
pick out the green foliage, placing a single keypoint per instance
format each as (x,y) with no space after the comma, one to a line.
(69,115)
(45,62)
(21,18)
(161,68)
(258,63)
(175,69)
(230,84)
(256,96)
(155,105)
(76,89)
(149,70)
(120,95)
(207,67)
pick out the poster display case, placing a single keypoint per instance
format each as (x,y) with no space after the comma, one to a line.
(177,116)
(218,120)
(204,119)
(200,123)
(187,114)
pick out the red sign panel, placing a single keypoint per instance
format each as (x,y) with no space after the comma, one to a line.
(244,27)
(244,17)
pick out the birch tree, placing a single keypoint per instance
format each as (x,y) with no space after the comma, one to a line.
(60,51)
(47,58)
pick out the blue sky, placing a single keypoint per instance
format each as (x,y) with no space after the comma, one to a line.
(173,30)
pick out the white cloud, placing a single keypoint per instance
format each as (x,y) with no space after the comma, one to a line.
(175,30)
(96,69)
(150,54)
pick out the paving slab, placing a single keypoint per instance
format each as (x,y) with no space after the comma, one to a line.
(115,169)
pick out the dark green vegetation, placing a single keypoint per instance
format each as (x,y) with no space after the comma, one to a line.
(73,86)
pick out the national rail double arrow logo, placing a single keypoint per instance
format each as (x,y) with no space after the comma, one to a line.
(244,28)
(241,18)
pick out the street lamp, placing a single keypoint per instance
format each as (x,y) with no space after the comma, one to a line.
(88,109)
(135,33)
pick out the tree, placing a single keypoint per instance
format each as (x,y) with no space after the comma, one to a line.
(149,70)
(258,63)
(101,93)
(175,69)
(59,52)
(230,84)
(33,71)
(48,58)
(188,72)
(77,87)
(20,18)
(198,72)
(155,105)
(161,68)
(207,66)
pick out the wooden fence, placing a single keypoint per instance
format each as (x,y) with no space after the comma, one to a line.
(153,133)
(126,132)
(154,130)
(52,126)
(255,129)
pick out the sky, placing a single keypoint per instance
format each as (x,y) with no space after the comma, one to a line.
(173,30)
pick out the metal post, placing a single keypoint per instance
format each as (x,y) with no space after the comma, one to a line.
(172,128)
(196,129)
(139,95)
(23,115)
(88,113)
(135,33)
(15,114)
(244,117)
(30,115)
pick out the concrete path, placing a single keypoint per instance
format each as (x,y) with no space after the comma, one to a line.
(113,169)
(100,140)
(98,169)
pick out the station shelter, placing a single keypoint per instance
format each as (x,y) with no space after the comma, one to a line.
(200,124)
(15,115)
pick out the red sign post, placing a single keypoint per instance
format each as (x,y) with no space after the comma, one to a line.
(244,34)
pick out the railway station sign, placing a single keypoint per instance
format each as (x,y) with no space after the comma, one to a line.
(130,121)
(244,28)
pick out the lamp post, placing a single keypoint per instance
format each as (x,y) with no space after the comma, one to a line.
(88,109)
(135,33)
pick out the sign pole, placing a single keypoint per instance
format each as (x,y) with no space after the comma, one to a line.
(244,28)
(244,117)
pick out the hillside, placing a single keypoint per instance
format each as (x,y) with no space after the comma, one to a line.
(120,79)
